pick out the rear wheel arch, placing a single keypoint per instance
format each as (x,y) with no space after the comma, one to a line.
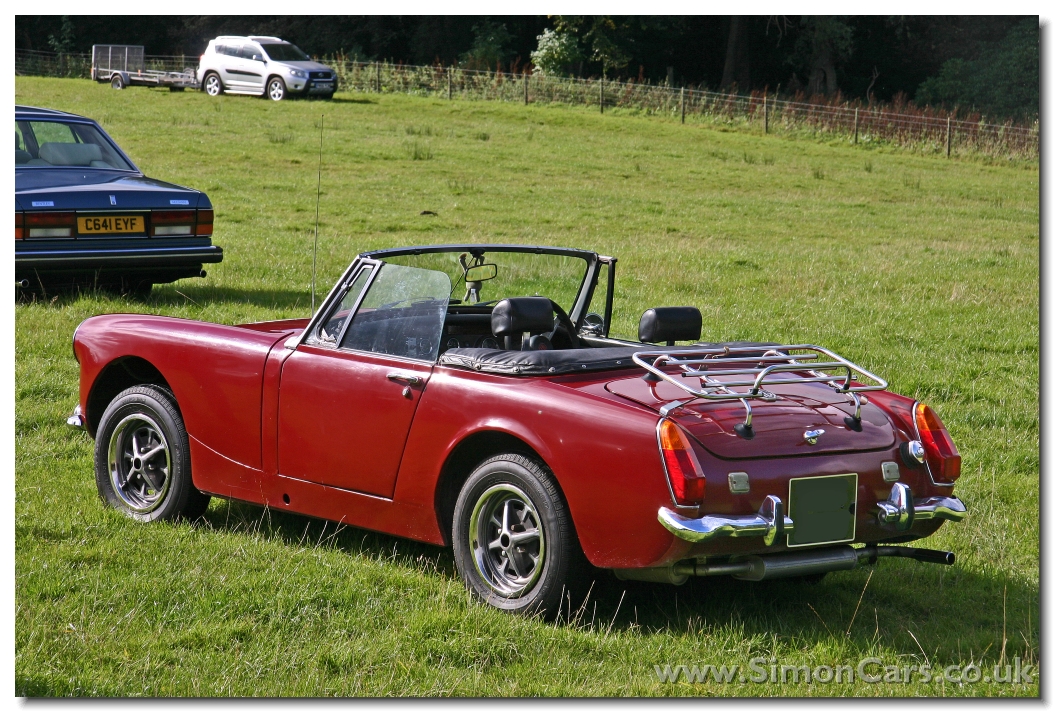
(115,377)
(466,456)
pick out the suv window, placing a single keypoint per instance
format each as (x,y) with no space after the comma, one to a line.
(285,52)
(248,52)
(402,314)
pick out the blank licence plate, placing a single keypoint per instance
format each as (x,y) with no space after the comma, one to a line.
(823,509)
(110,224)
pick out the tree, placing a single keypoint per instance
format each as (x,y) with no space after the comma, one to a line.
(557,54)
(737,54)
(489,48)
(1003,80)
(602,37)
(64,42)
(823,42)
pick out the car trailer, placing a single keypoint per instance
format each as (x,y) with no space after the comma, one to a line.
(123,65)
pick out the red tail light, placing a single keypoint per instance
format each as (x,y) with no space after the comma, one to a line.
(20,221)
(50,224)
(170,223)
(941,454)
(205,218)
(682,467)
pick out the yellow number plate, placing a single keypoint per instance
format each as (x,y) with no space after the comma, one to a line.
(109,224)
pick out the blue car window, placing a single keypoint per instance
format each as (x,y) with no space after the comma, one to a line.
(56,143)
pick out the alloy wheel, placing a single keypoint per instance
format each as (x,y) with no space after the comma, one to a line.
(139,463)
(508,541)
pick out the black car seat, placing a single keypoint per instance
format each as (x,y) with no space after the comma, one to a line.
(519,317)
(21,155)
(670,324)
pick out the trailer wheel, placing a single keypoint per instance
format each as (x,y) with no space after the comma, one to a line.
(117,81)
(213,85)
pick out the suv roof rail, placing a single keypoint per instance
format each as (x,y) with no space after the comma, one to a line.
(257,38)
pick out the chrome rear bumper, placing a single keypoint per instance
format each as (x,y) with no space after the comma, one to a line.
(770,523)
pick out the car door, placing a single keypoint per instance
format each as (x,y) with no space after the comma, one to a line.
(234,67)
(348,394)
(253,68)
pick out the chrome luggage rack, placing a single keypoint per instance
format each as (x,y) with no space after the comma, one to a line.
(813,361)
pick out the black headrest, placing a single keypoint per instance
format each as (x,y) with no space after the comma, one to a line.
(670,324)
(520,314)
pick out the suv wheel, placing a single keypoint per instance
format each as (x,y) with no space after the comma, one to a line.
(276,89)
(213,85)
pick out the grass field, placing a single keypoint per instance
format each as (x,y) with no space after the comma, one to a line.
(922,269)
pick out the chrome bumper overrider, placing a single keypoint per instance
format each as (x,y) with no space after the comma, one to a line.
(76,419)
(901,510)
(770,523)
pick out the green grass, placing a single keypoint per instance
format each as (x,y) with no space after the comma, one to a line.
(921,269)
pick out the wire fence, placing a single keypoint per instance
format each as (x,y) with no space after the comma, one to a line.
(901,123)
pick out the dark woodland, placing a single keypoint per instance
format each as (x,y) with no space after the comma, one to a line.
(987,64)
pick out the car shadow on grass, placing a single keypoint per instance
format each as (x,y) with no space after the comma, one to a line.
(203,295)
(171,295)
(915,609)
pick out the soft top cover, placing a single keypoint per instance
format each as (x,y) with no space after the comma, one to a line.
(558,361)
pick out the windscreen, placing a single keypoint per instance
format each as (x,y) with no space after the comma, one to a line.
(515,274)
(45,144)
(285,52)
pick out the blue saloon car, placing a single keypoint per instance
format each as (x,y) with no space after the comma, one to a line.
(85,215)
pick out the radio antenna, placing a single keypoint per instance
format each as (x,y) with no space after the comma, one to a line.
(318,196)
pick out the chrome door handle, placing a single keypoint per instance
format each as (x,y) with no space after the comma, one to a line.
(405,379)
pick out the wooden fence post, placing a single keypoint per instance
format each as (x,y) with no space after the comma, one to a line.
(766,105)
(526,85)
(948,148)
(378,65)
(449,83)
(682,105)
(856,125)
(601,93)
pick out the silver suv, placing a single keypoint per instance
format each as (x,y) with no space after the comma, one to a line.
(264,66)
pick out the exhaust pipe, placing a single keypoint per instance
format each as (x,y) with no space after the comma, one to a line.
(799,563)
(23,283)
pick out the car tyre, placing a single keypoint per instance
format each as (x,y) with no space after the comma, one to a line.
(117,81)
(276,89)
(142,458)
(212,84)
(514,542)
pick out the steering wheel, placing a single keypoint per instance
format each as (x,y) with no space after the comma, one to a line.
(562,325)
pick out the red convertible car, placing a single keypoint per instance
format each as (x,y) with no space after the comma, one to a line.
(471,396)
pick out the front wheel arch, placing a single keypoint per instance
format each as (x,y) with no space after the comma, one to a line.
(267,86)
(115,377)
